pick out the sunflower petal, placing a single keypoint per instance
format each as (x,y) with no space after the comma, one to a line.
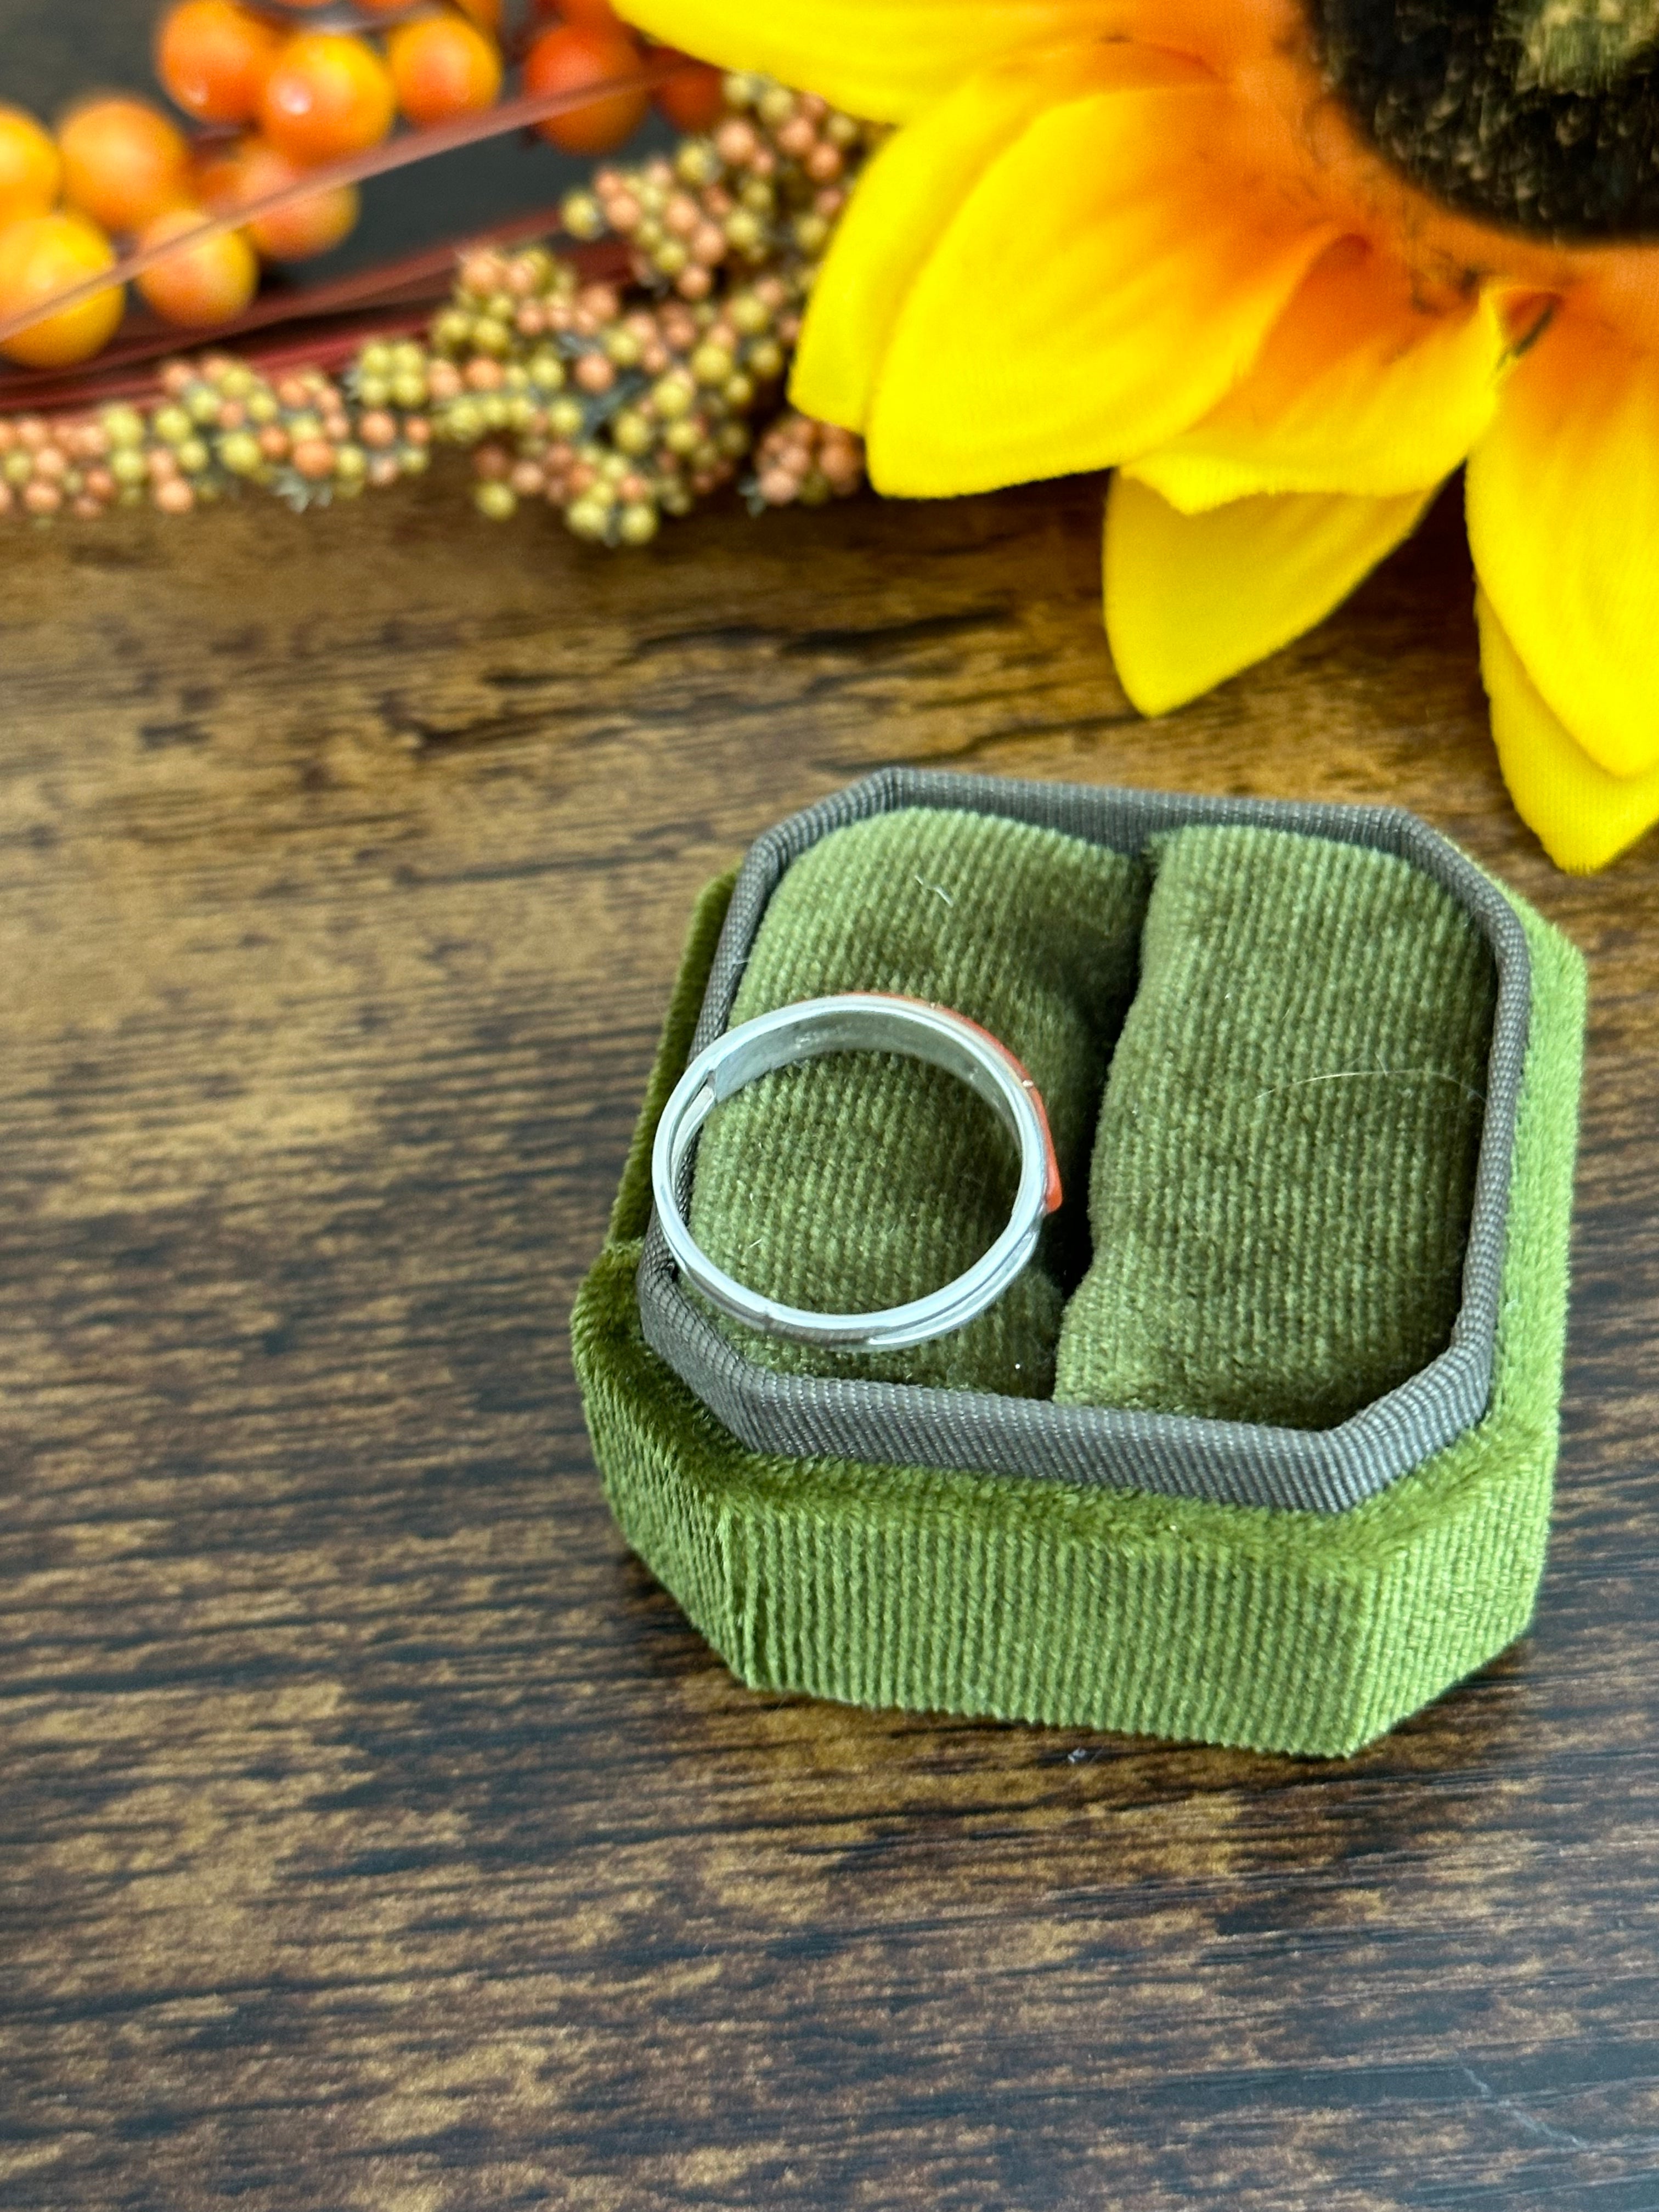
(1361,387)
(1563,497)
(907,198)
(1582,816)
(1191,599)
(1110,276)
(879,59)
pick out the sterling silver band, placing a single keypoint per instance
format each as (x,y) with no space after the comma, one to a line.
(858,1020)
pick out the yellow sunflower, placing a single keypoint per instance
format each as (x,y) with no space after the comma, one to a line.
(1285,265)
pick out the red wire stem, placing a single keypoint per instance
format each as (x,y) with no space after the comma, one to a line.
(392,301)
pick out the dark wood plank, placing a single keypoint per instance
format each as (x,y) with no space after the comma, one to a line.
(375,1832)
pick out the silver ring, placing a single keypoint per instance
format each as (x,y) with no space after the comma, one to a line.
(858,1020)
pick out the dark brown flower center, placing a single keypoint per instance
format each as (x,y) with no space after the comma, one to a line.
(1541,114)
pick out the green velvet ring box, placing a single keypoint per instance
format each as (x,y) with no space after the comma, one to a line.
(1259,1450)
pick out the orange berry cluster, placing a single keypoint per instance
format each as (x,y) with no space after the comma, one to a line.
(271,98)
(614,405)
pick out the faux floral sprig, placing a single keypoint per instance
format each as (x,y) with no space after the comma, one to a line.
(618,402)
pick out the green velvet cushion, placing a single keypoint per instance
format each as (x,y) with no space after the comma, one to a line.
(862,1180)
(1284,1167)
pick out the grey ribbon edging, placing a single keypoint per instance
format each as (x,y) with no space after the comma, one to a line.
(1233,1463)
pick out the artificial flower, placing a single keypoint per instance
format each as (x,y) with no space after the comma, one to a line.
(1285,266)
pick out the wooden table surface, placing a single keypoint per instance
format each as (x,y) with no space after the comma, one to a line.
(376,1832)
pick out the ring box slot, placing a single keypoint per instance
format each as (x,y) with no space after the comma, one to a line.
(1278,1176)
(861,1180)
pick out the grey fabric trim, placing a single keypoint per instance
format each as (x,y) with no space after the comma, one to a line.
(1324,1470)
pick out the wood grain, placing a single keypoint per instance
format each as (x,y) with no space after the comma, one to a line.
(376,1833)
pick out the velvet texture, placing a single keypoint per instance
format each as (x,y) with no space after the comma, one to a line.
(861,1180)
(1292,1631)
(1284,1166)
(1278,1176)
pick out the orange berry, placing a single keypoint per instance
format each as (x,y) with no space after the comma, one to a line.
(442,66)
(199,284)
(328,95)
(693,98)
(576,55)
(30,167)
(40,257)
(213,58)
(123,162)
(213,173)
(314,459)
(254,169)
